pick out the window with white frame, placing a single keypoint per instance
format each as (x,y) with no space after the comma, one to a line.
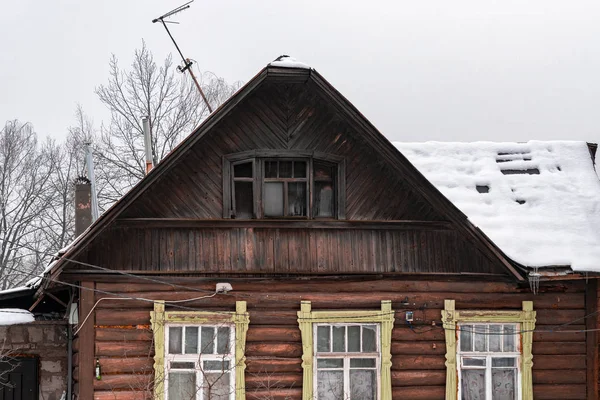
(199,362)
(347,361)
(488,361)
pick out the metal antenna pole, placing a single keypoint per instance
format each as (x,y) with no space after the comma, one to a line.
(187,63)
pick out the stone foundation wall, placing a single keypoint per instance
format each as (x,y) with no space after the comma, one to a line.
(48,341)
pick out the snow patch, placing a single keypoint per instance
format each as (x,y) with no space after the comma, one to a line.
(542,201)
(288,62)
(13,316)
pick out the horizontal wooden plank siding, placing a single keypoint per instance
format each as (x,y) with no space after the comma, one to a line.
(279,250)
(123,340)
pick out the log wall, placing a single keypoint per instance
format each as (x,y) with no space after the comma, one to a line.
(123,340)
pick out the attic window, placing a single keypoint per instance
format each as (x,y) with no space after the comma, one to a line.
(483,188)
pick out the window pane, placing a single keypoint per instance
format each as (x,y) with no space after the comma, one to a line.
(339,338)
(473,384)
(473,362)
(175,340)
(299,169)
(244,200)
(362,363)
(270,169)
(503,384)
(191,339)
(243,170)
(466,337)
(182,385)
(223,337)
(273,200)
(330,385)
(208,340)
(330,363)
(504,362)
(216,386)
(495,337)
(369,342)
(323,338)
(323,171)
(354,338)
(285,169)
(362,385)
(323,201)
(480,338)
(297,199)
(509,337)
(182,365)
(216,365)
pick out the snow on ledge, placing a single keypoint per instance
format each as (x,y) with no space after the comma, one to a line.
(539,202)
(13,316)
(285,61)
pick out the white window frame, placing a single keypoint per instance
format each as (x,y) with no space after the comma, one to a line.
(488,355)
(347,356)
(199,358)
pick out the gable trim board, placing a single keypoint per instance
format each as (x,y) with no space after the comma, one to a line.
(379,143)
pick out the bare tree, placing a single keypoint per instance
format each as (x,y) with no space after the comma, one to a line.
(146,89)
(26,168)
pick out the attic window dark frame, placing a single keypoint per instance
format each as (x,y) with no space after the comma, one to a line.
(256,176)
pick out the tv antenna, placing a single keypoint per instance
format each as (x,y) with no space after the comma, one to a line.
(187,63)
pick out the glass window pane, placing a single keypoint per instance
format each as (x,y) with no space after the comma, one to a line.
(323,343)
(339,339)
(503,384)
(369,341)
(285,169)
(297,199)
(504,362)
(215,365)
(216,386)
(354,338)
(323,199)
(495,337)
(323,171)
(244,200)
(362,363)
(330,363)
(175,336)
(243,170)
(330,385)
(273,201)
(509,337)
(466,337)
(182,385)
(191,339)
(473,362)
(480,338)
(223,338)
(299,169)
(208,340)
(182,365)
(363,385)
(270,169)
(472,384)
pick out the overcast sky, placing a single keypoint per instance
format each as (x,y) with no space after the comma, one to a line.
(458,70)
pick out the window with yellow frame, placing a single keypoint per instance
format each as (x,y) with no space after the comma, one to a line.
(199,354)
(488,353)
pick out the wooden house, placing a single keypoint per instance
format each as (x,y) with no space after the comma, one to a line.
(287,250)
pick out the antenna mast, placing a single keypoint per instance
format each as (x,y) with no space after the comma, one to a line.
(187,63)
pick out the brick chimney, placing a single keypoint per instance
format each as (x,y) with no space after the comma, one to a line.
(83,205)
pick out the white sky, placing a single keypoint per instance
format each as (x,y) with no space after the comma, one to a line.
(457,70)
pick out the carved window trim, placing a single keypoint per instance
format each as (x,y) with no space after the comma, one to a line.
(239,318)
(452,317)
(257,157)
(384,317)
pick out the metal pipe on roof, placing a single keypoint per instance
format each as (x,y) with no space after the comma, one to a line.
(147,143)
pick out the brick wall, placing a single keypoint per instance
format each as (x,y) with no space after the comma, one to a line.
(48,341)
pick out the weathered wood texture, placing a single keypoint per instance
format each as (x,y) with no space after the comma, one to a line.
(272,250)
(123,341)
(290,117)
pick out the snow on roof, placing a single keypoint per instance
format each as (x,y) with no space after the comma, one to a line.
(288,62)
(13,316)
(539,202)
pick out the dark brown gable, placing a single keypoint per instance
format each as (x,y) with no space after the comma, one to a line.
(283,116)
